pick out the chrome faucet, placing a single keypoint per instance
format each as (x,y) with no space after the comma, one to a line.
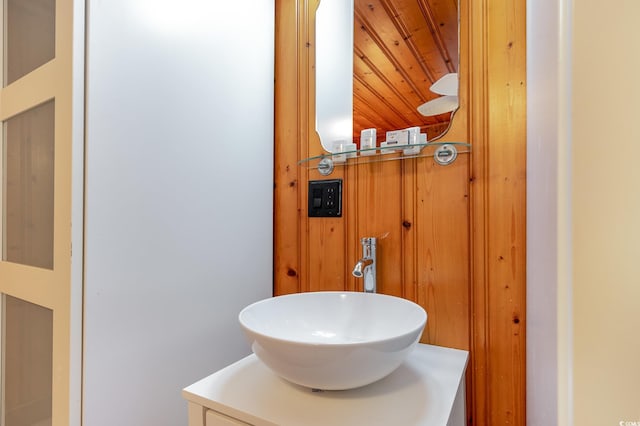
(366,267)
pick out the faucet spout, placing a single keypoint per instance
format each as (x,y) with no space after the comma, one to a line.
(366,266)
(358,270)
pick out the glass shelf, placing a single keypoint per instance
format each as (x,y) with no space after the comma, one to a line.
(443,152)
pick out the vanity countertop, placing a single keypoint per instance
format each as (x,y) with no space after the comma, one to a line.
(427,389)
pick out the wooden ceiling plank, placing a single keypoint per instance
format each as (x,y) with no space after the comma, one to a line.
(382,77)
(408,38)
(434,28)
(373,93)
(388,53)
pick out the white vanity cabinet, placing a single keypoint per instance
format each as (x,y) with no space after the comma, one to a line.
(427,389)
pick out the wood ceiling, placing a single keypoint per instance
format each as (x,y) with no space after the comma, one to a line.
(401,47)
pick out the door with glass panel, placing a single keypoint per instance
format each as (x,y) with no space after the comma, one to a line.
(35,267)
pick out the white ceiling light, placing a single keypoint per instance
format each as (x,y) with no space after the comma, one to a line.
(439,105)
(447,86)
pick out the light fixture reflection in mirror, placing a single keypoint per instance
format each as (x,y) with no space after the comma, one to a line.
(446,86)
(391,54)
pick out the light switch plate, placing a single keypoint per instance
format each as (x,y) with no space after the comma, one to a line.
(325,198)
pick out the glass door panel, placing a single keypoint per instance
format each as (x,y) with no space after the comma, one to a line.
(28,187)
(29,36)
(27,348)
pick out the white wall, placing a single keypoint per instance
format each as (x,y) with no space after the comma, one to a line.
(544,102)
(334,72)
(179,184)
(606,212)
(583,210)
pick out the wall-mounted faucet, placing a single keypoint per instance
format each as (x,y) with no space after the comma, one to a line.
(366,267)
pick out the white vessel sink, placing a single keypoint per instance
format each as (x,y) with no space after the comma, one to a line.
(333,340)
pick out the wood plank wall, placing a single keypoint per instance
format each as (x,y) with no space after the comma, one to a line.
(450,238)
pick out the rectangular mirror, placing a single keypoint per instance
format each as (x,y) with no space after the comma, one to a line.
(385,64)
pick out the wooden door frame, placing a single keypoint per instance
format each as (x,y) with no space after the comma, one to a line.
(59,289)
(492,117)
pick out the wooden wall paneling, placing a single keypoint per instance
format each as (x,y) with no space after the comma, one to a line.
(498,126)
(409,228)
(379,211)
(287,174)
(352,212)
(442,224)
(324,248)
(474,34)
(469,275)
(506,176)
(326,260)
(326,263)
(306,107)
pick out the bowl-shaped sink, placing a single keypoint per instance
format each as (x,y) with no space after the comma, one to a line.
(333,340)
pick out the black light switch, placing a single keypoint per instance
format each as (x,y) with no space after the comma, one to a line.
(325,198)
